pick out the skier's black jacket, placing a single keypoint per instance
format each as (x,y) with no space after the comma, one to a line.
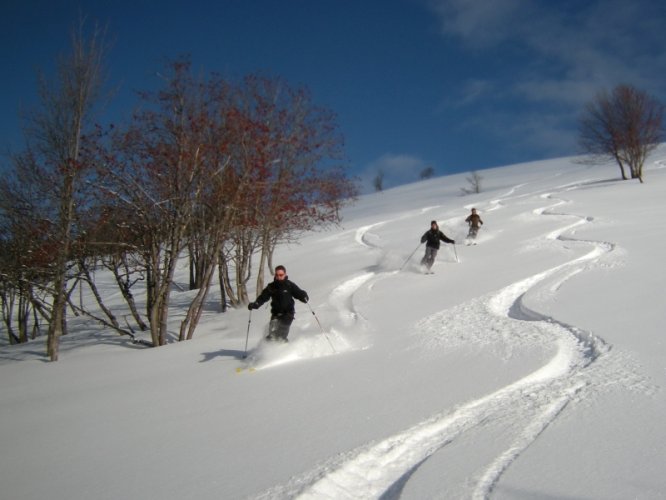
(432,237)
(282,294)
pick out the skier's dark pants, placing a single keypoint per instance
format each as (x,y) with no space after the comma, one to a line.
(278,328)
(473,231)
(429,258)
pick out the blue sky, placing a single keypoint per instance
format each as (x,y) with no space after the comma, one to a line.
(458,85)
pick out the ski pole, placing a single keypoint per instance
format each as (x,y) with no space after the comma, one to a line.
(247,335)
(410,256)
(321,328)
(456,253)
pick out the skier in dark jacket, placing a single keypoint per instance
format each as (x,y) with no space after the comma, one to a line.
(281,293)
(431,238)
(475,222)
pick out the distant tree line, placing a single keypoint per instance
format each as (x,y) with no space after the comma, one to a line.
(218,171)
(378,180)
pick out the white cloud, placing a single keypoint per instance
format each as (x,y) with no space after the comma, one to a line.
(562,55)
(473,90)
(601,43)
(573,93)
(479,24)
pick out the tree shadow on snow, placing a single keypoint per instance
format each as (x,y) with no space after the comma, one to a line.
(228,353)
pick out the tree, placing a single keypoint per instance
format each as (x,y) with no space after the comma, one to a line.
(624,126)
(153,174)
(222,170)
(427,173)
(378,181)
(475,183)
(225,171)
(17,241)
(304,185)
(54,158)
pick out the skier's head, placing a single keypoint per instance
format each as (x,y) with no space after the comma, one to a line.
(474,210)
(280,273)
(433,224)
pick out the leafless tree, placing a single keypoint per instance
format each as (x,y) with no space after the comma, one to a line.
(624,126)
(427,173)
(54,159)
(474,181)
(26,256)
(378,181)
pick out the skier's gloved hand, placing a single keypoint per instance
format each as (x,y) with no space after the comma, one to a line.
(306,298)
(453,242)
(252,305)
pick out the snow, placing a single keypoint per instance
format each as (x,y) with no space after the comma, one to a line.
(530,365)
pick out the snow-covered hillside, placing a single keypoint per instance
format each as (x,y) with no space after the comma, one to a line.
(530,365)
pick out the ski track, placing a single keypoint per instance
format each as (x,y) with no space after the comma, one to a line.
(363,232)
(381,469)
(342,298)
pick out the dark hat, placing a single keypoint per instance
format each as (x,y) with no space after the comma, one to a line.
(433,222)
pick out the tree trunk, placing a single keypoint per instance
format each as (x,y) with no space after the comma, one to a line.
(59,299)
(196,306)
(260,272)
(100,301)
(223,292)
(125,289)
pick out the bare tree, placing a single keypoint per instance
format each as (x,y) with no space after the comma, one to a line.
(27,253)
(54,136)
(625,126)
(427,173)
(14,294)
(378,181)
(474,181)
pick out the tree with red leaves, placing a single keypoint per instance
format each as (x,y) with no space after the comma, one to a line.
(223,170)
(302,182)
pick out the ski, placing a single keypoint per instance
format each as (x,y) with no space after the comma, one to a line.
(248,364)
(247,369)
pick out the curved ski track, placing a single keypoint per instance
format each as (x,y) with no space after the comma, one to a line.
(382,469)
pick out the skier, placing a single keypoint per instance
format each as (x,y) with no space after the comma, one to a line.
(281,291)
(475,222)
(431,238)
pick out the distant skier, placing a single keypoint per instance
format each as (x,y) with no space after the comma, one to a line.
(281,293)
(475,222)
(431,238)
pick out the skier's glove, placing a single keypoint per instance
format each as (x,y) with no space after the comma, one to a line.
(306,298)
(453,242)
(252,305)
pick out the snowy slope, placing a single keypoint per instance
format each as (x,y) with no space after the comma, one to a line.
(530,365)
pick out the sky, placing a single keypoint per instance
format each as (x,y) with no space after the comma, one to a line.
(450,84)
(530,365)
